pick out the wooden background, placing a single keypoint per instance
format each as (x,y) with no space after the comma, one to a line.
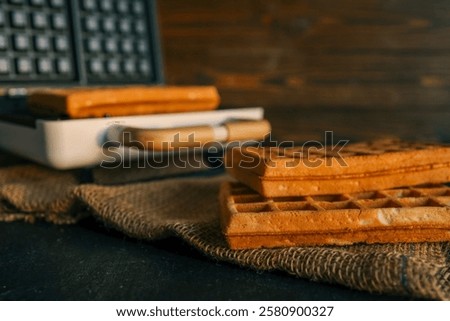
(367,54)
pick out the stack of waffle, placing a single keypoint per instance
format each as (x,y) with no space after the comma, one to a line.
(377,192)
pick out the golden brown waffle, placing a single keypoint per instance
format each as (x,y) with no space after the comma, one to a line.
(410,214)
(123,101)
(357,167)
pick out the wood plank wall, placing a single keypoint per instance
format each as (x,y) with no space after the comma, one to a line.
(383,54)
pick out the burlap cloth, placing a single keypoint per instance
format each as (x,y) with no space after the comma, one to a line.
(188,208)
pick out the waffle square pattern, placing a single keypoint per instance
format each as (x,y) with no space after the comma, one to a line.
(407,214)
(322,170)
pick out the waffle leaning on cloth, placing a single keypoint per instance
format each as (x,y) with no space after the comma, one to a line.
(377,192)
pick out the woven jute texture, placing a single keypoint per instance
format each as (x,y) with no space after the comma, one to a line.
(188,208)
(30,192)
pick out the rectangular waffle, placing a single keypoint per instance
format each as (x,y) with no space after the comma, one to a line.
(409,214)
(122,101)
(292,171)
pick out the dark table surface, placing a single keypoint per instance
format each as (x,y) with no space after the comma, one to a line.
(88,261)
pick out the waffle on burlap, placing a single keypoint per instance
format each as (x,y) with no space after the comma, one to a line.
(188,208)
(410,214)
